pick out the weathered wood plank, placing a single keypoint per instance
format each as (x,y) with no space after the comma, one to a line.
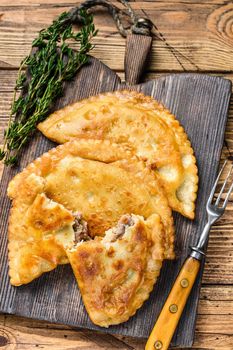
(162,60)
(7,83)
(219,263)
(49,4)
(170,90)
(23,336)
(213,329)
(199,31)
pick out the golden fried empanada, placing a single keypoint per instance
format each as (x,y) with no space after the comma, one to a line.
(152,132)
(79,176)
(38,230)
(116,273)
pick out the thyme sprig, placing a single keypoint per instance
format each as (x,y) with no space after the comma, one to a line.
(52,63)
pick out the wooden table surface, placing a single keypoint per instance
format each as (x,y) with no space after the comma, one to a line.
(201,32)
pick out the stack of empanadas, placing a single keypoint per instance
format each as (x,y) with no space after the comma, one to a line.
(103,201)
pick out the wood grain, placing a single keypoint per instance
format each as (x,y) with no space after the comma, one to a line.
(200,32)
(134,65)
(205,41)
(21,333)
(200,103)
(218,267)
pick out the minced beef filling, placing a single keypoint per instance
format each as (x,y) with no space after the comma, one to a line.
(81,232)
(80,229)
(123,223)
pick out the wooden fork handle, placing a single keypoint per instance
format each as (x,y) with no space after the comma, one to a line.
(168,319)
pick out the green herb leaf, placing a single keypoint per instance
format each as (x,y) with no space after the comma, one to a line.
(2,154)
(52,63)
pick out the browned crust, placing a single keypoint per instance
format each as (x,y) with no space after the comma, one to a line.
(114,294)
(159,111)
(23,193)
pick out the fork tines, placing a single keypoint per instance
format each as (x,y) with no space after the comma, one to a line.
(222,188)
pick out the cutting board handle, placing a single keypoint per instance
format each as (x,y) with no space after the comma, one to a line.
(136,53)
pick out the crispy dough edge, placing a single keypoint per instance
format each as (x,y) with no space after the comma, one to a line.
(184,143)
(150,283)
(11,247)
(140,304)
(152,183)
(171,121)
(42,164)
(39,167)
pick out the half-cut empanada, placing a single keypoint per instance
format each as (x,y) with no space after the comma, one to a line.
(116,273)
(79,176)
(151,130)
(38,230)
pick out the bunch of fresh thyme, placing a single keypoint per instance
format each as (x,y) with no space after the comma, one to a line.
(52,63)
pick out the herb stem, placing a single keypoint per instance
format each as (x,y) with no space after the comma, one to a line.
(52,63)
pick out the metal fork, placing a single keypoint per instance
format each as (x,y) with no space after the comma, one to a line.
(171,312)
(214,211)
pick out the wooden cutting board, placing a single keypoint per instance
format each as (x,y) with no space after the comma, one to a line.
(200,103)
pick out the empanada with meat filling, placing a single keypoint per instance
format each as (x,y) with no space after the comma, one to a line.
(152,132)
(116,273)
(79,176)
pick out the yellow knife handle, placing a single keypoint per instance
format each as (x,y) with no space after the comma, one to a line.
(168,319)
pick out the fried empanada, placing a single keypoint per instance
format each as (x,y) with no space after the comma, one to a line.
(116,273)
(79,176)
(38,230)
(152,132)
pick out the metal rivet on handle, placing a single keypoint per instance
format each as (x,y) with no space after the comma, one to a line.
(158,345)
(173,308)
(184,283)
